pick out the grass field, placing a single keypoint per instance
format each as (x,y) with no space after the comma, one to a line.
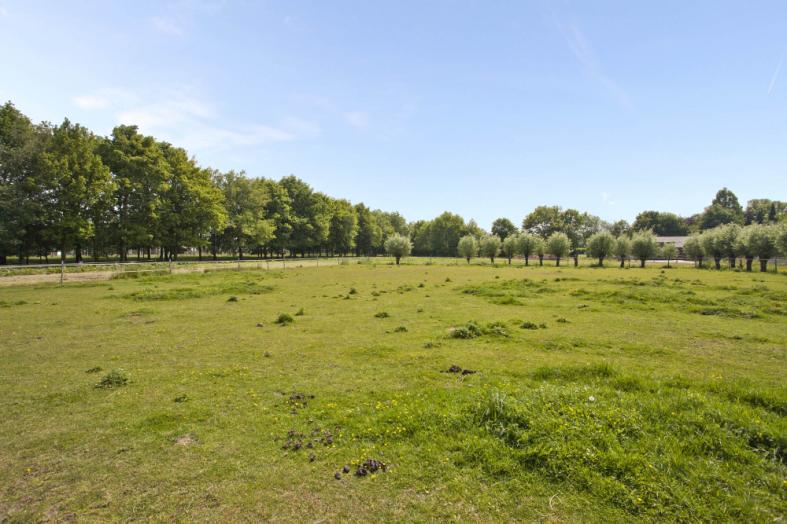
(576,395)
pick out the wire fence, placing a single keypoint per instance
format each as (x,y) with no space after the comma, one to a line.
(90,271)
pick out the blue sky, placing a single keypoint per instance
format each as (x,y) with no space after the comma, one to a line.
(483,108)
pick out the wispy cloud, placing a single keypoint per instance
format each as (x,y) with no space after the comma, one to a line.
(606,199)
(166,26)
(776,72)
(357,119)
(180,116)
(3,11)
(583,51)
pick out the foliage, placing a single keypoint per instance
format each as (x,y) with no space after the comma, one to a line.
(662,224)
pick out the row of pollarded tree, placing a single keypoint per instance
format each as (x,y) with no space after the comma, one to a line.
(733,242)
(641,246)
(729,241)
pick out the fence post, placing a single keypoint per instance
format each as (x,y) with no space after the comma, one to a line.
(62,270)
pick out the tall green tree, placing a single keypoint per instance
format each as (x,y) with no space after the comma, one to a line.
(343,227)
(191,204)
(445,232)
(76,182)
(503,228)
(369,233)
(662,224)
(22,195)
(139,170)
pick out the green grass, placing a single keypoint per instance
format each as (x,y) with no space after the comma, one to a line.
(598,395)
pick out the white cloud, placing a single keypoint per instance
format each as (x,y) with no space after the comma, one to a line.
(606,198)
(357,119)
(90,102)
(3,11)
(166,26)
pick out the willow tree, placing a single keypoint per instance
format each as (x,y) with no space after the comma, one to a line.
(601,245)
(644,247)
(622,249)
(694,249)
(558,245)
(467,247)
(489,246)
(511,246)
(398,246)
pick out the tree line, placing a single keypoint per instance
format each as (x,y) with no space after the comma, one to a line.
(64,189)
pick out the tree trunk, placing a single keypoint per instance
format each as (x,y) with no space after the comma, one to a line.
(541,260)
(527,260)
(717,260)
(576,260)
(468,260)
(3,260)
(642,263)
(492,259)
(749,262)
(397,260)
(600,261)
(509,261)
(622,262)
(763,265)
(78,253)
(732,262)
(557,261)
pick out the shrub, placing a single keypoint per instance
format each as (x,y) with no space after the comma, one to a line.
(284,319)
(471,330)
(382,314)
(114,379)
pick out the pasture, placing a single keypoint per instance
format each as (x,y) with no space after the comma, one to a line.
(487,392)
